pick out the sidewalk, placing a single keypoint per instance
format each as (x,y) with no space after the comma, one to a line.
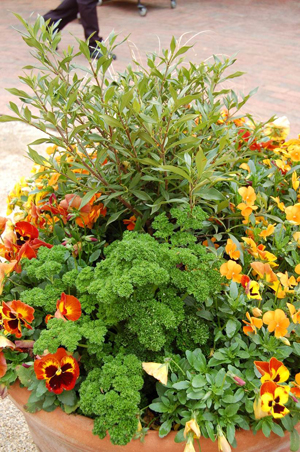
(264,33)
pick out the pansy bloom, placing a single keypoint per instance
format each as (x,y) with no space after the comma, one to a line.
(69,307)
(295,315)
(252,325)
(59,370)
(14,315)
(273,370)
(231,270)
(296,386)
(277,321)
(130,223)
(25,232)
(192,427)
(4,343)
(273,399)
(231,250)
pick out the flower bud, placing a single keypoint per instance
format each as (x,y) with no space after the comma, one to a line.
(189,447)
(257,312)
(294,398)
(285,341)
(239,381)
(223,444)
(258,412)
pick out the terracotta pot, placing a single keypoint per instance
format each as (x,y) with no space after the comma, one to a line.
(60,432)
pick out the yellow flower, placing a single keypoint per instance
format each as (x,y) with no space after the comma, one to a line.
(280,204)
(245,166)
(158,371)
(273,398)
(295,315)
(279,129)
(258,412)
(189,447)
(283,166)
(293,214)
(296,237)
(293,148)
(252,325)
(256,312)
(223,444)
(269,231)
(252,291)
(295,182)
(192,426)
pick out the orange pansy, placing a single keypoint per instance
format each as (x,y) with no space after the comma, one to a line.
(69,307)
(252,324)
(264,271)
(231,270)
(266,232)
(295,181)
(280,204)
(231,250)
(277,321)
(248,195)
(130,223)
(294,313)
(296,386)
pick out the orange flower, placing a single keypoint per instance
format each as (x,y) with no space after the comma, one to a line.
(273,370)
(231,250)
(25,232)
(294,313)
(213,240)
(296,386)
(264,271)
(130,223)
(252,324)
(256,312)
(266,232)
(14,315)
(295,182)
(2,224)
(277,321)
(231,270)
(69,307)
(296,237)
(59,370)
(5,270)
(248,195)
(293,214)
(273,399)
(246,211)
(245,166)
(286,281)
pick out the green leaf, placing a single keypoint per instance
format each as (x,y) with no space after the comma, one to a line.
(179,438)
(7,118)
(201,161)
(287,423)
(37,158)
(110,121)
(266,429)
(114,217)
(277,429)
(297,348)
(198,381)
(295,442)
(67,397)
(165,428)
(94,256)
(209,194)
(182,50)
(231,327)
(181,385)
(159,407)
(87,197)
(125,99)
(175,170)
(41,388)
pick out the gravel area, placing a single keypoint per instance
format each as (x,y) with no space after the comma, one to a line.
(14,433)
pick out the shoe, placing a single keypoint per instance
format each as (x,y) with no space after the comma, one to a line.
(96,53)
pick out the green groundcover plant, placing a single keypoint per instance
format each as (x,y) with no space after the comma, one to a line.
(150,274)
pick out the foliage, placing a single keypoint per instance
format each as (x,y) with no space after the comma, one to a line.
(202,289)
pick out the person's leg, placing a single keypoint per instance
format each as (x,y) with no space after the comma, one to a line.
(89,20)
(65,12)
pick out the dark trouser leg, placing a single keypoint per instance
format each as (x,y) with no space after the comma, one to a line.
(89,19)
(65,12)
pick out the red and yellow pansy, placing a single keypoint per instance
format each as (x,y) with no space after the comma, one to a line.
(15,315)
(59,370)
(274,398)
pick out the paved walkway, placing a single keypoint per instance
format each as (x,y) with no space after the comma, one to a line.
(264,33)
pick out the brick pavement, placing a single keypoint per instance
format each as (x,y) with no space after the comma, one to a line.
(264,33)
